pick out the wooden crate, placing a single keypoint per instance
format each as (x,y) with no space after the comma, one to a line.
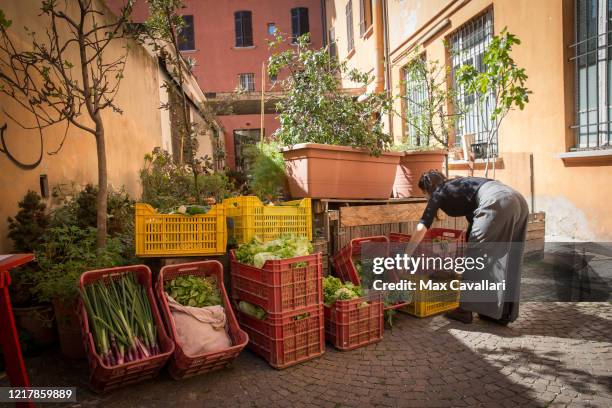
(536,230)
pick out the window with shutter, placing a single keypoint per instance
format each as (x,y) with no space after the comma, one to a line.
(243,25)
(186,35)
(365,16)
(299,22)
(350,42)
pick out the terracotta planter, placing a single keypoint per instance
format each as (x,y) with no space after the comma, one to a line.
(410,168)
(325,171)
(68,327)
(38,322)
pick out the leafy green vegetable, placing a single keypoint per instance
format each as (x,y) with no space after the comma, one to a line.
(257,253)
(195,291)
(334,289)
(252,310)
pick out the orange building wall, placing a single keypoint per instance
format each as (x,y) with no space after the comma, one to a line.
(575,198)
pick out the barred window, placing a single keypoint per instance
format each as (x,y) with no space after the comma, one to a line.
(415,100)
(593,70)
(246,82)
(468,46)
(333,51)
(350,41)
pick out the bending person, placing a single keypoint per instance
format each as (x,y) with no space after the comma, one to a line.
(496,214)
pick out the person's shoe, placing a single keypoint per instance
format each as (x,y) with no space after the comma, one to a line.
(504,321)
(464,316)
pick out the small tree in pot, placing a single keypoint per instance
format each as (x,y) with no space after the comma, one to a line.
(500,85)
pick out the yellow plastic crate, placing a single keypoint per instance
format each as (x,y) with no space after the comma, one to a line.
(431,302)
(252,218)
(180,235)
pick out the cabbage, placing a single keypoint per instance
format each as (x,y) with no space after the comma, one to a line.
(252,310)
(260,259)
(334,289)
(256,252)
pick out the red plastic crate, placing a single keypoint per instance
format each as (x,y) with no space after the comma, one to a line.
(102,377)
(345,267)
(399,237)
(182,365)
(285,339)
(343,260)
(280,286)
(349,324)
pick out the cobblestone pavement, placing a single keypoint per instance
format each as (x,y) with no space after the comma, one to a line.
(555,354)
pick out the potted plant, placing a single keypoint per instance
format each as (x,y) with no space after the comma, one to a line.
(426,99)
(26,230)
(336,146)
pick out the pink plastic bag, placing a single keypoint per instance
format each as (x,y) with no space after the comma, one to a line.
(199,329)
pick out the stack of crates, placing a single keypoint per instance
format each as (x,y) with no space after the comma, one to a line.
(291,293)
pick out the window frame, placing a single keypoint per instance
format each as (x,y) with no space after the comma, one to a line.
(592,124)
(413,138)
(350,30)
(297,21)
(191,28)
(243,32)
(248,82)
(478,33)
(239,144)
(366,16)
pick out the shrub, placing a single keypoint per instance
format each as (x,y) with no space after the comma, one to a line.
(68,252)
(27,229)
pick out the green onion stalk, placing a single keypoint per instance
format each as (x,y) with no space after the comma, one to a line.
(120,319)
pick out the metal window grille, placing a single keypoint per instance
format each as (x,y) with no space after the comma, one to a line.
(350,41)
(247,82)
(415,96)
(243,138)
(468,46)
(593,74)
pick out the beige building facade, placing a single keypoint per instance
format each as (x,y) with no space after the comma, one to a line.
(558,151)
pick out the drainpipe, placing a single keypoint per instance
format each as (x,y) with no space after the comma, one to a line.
(324,22)
(380,44)
(387,65)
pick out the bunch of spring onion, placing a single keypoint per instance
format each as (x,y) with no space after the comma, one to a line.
(121,320)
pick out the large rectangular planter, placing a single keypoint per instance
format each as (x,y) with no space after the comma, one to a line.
(326,171)
(410,168)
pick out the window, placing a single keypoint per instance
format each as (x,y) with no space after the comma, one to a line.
(333,50)
(415,97)
(186,35)
(271,28)
(468,46)
(243,138)
(299,23)
(350,42)
(365,16)
(246,82)
(593,70)
(244,28)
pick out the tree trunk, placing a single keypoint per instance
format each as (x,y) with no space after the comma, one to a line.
(102,198)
